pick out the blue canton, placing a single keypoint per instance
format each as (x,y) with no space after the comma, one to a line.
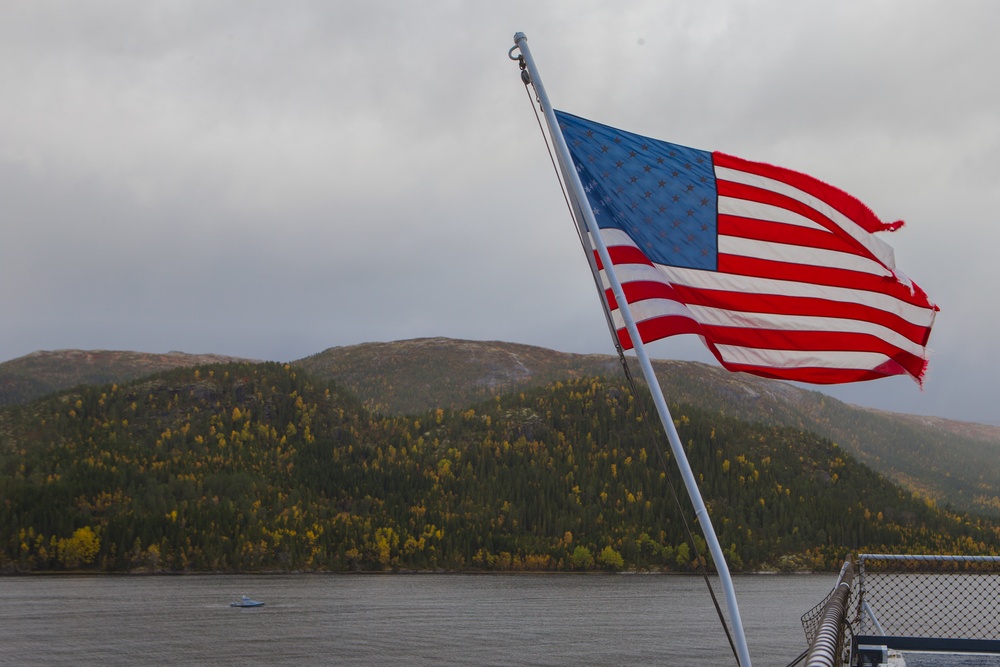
(662,195)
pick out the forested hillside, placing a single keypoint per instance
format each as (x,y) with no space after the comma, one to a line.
(946,462)
(950,463)
(253,467)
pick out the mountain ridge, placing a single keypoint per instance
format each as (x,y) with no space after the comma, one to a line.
(944,461)
(46,371)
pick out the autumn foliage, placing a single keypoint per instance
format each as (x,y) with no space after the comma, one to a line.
(259,467)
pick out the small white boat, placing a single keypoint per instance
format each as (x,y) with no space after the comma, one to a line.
(245,601)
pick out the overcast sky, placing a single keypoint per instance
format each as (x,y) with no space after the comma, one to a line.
(268,179)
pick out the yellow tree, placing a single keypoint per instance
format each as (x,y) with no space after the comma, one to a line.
(81,549)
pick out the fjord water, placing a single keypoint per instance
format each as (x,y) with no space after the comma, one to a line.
(413,620)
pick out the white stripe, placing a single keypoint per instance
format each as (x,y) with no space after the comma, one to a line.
(745,208)
(653,308)
(745,320)
(694,278)
(649,309)
(801,359)
(615,237)
(913,314)
(767,357)
(875,245)
(769,213)
(796,254)
(727,282)
(779,252)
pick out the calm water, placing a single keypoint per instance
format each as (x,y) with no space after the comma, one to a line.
(408,620)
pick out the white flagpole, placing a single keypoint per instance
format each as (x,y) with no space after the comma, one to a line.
(572,179)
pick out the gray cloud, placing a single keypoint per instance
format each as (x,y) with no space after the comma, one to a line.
(269,180)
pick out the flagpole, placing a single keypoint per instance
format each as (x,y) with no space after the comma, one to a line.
(572,180)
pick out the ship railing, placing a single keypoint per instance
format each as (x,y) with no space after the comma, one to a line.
(926,603)
(826,622)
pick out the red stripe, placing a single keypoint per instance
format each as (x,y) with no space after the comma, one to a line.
(751,193)
(900,362)
(804,273)
(813,341)
(847,204)
(814,375)
(753,267)
(641,290)
(638,291)
(819,275)
(624,254)
(777,232)
(795,305)
(660,327)
(653,329)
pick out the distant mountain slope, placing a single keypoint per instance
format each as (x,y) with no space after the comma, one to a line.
(426,373)
(945,461)
(39,373)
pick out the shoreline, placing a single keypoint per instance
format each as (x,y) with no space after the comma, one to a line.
(278,573)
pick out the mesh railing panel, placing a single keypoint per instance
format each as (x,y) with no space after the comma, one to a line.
(812,618)
(952,597)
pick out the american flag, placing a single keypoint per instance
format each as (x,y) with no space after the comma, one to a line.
(779,273)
